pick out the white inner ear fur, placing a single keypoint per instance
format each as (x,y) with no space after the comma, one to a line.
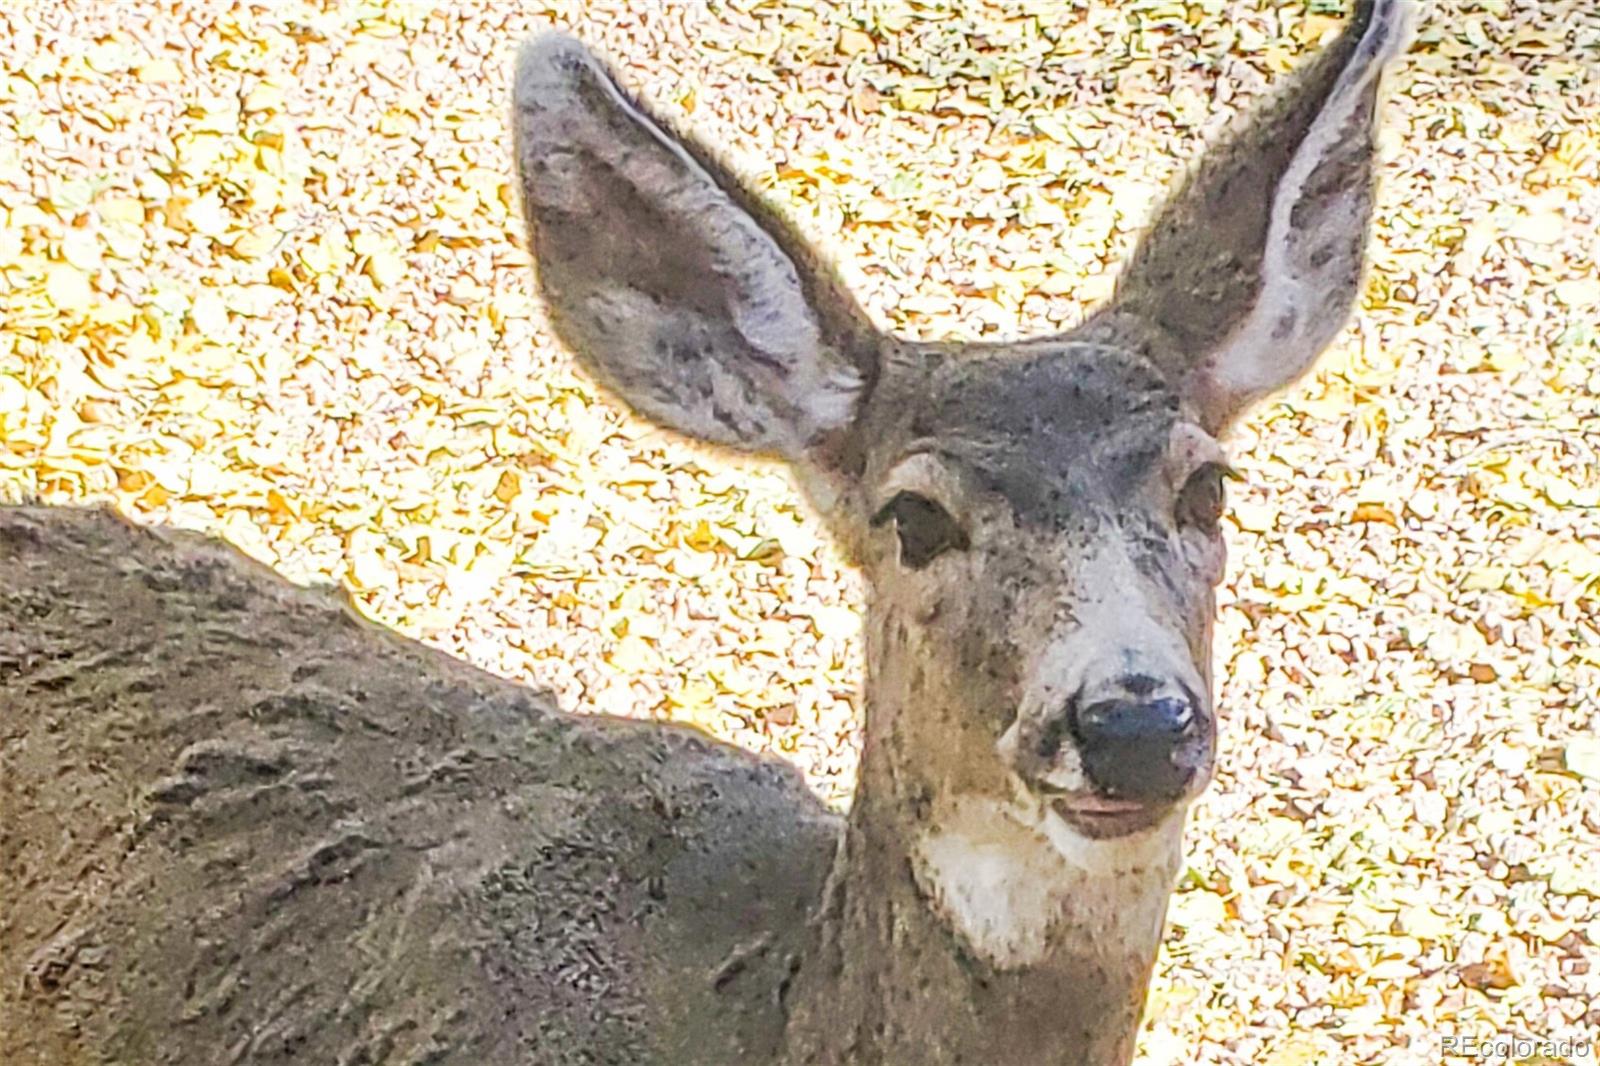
(1262,355)
(925,474)
(1013,880)
(1188,448)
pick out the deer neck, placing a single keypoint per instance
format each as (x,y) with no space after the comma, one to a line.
(963,922)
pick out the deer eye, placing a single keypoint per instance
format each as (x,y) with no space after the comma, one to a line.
(1203,499)
(926,530)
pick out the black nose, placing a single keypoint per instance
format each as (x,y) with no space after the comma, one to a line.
(1140,748)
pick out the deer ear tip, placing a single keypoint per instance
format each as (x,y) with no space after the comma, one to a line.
(1396,22)
(549,63)
(1410,18)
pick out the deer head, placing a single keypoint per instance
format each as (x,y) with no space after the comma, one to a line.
(1039,521)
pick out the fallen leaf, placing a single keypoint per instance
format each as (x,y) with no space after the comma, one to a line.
(1374,512)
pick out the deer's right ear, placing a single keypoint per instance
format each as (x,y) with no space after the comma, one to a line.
(667,289)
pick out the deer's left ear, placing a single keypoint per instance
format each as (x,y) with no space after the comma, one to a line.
(1251,269)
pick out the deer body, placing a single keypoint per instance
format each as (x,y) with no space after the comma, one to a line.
(1038,523)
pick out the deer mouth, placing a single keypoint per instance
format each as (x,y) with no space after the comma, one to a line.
(1105,817)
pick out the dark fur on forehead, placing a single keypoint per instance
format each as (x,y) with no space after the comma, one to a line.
(1052,427)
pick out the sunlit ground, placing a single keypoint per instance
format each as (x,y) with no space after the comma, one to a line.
(261,274)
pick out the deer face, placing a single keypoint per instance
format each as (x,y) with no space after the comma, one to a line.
(1040,526)
(1038,520)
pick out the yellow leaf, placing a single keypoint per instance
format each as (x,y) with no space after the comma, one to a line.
(838,622)
(634,655)
(67,288)
(1582,757)
(1543,227)
(385,266)
(257,242)
(1580,293)
(207,216)
(160,71)
(254,300)
(421,552)
(507,488)
(13,397)
(689,564)
(396,122)
(279,510)
(1279,59)
(458,204)
(916,99)
(82,250)
(1253,517)
(1199,909)
(1484,578)
(1374,512)
(175,213)
(1315,28)
(1506,358)
(853,42)
(1345,995)
(702,538)
(369,571)
(117,311)
(693,695)
(695,702)
(1296,1051)
(264,97)
(208,313)
(108,57)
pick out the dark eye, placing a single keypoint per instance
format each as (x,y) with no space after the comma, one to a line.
(926,530)
(1203,500)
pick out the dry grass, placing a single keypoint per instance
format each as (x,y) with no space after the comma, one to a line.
(261,274)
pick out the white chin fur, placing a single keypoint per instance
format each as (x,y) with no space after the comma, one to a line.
(1015,882)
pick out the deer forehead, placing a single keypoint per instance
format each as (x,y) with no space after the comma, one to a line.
(1064,434)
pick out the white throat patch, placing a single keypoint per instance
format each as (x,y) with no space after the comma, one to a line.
(1015,882)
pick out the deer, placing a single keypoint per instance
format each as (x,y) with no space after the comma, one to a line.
(240,824)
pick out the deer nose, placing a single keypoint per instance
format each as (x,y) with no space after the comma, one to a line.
(1138,745)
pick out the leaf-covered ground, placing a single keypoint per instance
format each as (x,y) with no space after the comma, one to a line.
(261,274)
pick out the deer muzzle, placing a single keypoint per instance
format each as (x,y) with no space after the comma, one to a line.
(1122,753)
